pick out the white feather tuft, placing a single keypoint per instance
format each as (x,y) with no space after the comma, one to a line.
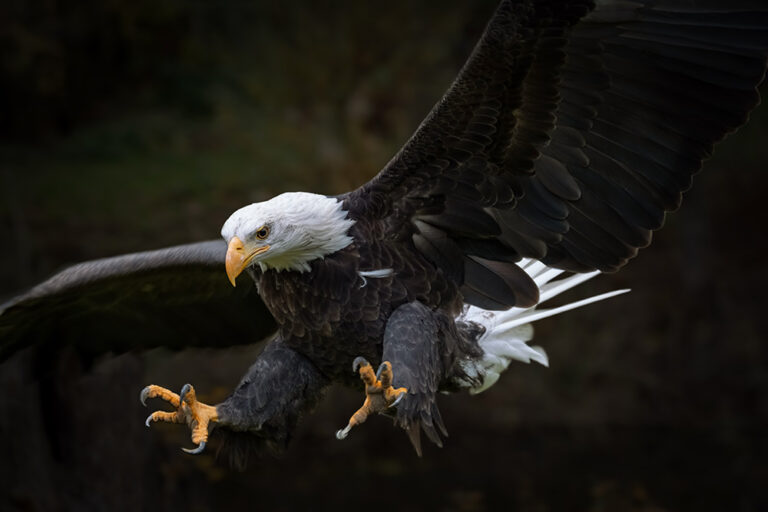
(507,333)
(375,274)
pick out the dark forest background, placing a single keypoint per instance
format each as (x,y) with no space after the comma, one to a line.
(128,126)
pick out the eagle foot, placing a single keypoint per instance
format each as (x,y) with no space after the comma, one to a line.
(197,415)
(379,393)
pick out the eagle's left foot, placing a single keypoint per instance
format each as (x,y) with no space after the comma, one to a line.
(197,415)
(379,393)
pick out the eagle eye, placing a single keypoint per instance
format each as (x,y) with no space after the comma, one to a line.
(262,233)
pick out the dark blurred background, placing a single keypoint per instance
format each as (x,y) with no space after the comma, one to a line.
(128,126)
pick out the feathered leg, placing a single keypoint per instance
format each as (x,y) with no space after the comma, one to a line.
(277,388)
(420,348)
(419,345)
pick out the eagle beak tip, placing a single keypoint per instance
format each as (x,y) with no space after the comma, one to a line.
(238,260)
(235,259)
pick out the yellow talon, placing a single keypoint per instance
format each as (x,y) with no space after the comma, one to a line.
(379,393)
(197,415)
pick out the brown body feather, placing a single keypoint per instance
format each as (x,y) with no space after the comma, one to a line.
(332,315)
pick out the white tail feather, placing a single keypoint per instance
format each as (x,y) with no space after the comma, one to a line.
(507,332)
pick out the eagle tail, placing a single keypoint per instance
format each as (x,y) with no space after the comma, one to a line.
(506,334)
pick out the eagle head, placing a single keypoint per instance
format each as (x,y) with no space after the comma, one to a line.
(285,233)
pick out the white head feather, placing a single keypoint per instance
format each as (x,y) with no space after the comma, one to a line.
(302,227)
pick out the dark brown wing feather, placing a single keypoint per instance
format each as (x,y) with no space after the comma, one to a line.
(174,297)
(568,134)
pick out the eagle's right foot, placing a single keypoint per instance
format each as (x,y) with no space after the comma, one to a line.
(197,415)
(379,393)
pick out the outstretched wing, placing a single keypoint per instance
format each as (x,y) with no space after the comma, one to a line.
(571,130)
(174,297)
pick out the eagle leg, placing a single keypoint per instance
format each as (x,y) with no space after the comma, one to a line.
(420,343)
(198,416)
(379,393)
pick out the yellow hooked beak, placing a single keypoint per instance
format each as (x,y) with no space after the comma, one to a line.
(237,258)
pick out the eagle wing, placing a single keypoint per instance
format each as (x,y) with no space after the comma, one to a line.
(175,297)
(570,131)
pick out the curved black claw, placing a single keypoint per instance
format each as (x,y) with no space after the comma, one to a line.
(144,395)
(197,450)
(382,367)
(397,401)
(343,433)
(183,393)
(358,362)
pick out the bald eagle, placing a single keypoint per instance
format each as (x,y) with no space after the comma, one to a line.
(569,132)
